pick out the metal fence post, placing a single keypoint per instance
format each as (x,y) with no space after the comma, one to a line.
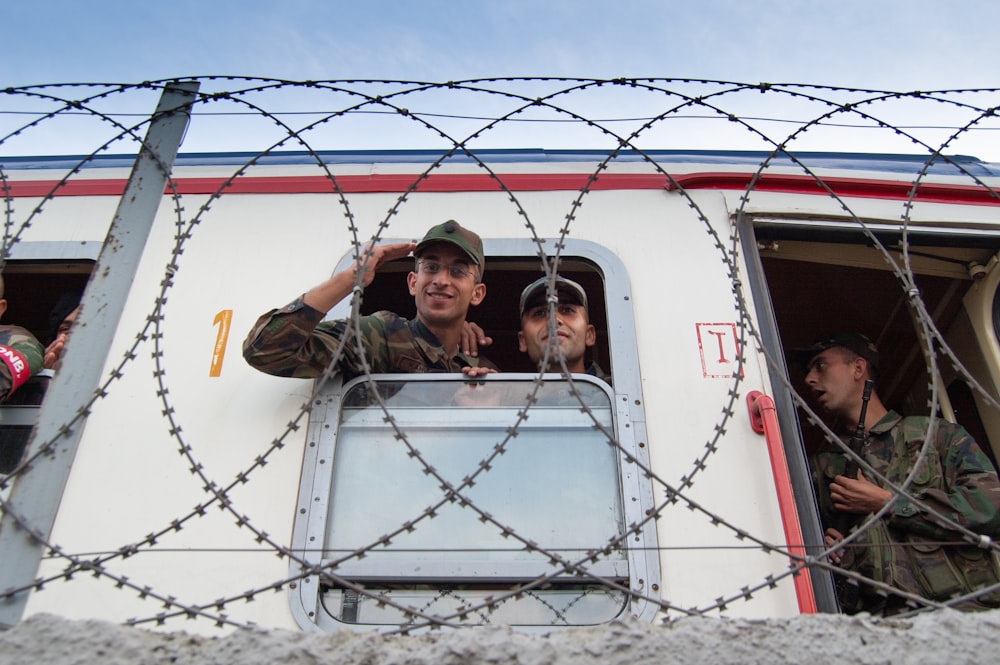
(36,493)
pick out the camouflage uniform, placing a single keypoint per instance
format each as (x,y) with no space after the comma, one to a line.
(905,548)
(594,369)
(22,357)
(295,341)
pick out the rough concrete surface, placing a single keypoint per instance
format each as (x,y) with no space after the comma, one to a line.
(942,637)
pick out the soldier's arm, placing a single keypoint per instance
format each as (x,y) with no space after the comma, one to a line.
(283,342)
(970,496)
(290,342)
(20,359)
(324,296)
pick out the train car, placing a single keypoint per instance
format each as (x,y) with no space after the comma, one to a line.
(168,483)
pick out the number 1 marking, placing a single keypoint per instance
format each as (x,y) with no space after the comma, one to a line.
(223,319)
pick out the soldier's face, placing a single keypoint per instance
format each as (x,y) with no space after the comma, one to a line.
(573,333)
(443,299)
(832,376)
(67,323)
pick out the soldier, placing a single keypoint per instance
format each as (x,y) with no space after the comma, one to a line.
(20,352)
(574,332)
(61,320)
(909,547)
(446,281)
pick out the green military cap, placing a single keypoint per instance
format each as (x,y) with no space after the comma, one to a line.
(453,232)
(852,341)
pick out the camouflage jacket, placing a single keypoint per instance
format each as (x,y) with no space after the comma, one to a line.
(910,547)
(295,341)
(594,369)
(22,356)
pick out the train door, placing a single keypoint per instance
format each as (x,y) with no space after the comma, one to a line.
(923,289)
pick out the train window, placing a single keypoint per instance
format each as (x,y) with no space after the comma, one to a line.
(17,418)
(43,282)
(431,441)
(518,499)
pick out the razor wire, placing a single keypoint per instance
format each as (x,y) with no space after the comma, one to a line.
(457,134)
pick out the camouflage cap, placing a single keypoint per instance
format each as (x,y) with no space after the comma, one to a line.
(567,291)
(853,341)
(452,232)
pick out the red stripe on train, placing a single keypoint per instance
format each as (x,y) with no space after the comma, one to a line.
(527,182)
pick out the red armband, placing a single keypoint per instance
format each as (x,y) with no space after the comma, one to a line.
(20,370)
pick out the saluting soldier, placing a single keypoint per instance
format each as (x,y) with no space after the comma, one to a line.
(446,280)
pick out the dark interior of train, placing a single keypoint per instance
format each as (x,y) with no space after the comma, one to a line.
(823,283)
(33,288)
(498,315)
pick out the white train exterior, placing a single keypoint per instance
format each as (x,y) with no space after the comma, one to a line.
(188,490)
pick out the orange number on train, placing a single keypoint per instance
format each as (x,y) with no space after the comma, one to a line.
(223,320)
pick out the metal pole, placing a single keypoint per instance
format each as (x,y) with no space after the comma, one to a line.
(37,491)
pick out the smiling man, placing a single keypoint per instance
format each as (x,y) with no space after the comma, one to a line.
(909,547)
(574,333)
(446,281)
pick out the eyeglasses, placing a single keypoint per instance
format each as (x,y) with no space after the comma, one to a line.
(456,271)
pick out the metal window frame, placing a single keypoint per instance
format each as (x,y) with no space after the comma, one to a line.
(629,429)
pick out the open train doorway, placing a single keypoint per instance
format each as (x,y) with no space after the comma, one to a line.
(844,279)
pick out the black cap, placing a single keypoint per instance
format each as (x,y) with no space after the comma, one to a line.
(852,341)
(67,303)
(567,291)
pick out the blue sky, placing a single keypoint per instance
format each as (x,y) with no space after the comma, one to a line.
(880,44)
